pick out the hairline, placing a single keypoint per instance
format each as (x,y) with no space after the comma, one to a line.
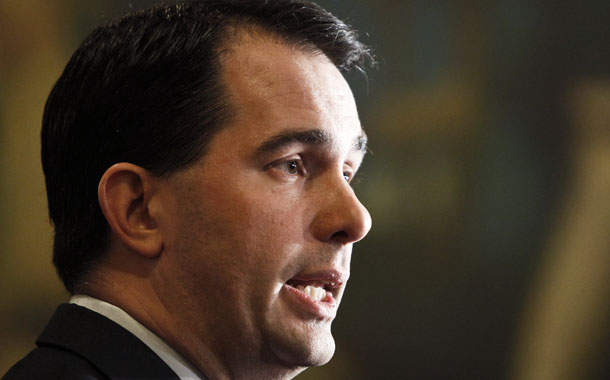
(242,35)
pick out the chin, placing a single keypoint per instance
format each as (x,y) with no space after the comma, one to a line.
(323,356)
(312,352)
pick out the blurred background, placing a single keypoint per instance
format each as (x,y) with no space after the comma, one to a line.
(488,183)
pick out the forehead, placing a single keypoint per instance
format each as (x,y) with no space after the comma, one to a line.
(272,85)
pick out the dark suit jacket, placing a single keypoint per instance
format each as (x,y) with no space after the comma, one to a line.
(80,344)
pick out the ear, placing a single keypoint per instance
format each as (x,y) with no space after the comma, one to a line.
(124,193)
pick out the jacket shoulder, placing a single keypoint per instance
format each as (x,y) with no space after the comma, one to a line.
(49,363)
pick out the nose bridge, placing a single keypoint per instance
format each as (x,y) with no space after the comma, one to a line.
(341,216)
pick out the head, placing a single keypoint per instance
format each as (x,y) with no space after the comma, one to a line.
(213,142)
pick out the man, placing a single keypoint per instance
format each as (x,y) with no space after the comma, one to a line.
(197,160)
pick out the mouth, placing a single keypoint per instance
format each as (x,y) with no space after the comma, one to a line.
(318,291)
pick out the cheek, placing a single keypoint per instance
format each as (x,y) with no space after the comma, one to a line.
(259,209)
(243,231)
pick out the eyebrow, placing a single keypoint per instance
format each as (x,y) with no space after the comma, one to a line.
(308,137)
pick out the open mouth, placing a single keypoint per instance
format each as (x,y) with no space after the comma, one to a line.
(319,287)
(318,292)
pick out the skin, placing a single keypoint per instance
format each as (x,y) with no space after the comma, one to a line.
(202,257)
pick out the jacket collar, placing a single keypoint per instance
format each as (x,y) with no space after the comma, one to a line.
(106,345)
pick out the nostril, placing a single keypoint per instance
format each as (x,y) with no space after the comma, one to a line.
(341,236)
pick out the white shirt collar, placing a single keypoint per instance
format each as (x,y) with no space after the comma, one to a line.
(173,359)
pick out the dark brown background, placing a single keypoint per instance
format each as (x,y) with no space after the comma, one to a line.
(489,186)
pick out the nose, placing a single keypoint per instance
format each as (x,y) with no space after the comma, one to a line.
(341,217)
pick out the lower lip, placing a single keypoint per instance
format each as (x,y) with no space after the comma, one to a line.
(318,309)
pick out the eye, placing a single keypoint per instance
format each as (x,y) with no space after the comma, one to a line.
(290,168)
(348,174)
(293,166)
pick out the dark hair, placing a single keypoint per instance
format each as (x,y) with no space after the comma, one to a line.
(146,89)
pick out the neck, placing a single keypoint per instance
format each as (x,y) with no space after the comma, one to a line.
(152,301)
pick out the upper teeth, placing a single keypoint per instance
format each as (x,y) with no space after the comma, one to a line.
(314,292)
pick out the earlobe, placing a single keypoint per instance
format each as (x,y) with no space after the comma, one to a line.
(124,193)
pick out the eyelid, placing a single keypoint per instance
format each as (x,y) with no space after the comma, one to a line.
(349,168)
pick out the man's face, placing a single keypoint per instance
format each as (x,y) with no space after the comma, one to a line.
(261,229)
